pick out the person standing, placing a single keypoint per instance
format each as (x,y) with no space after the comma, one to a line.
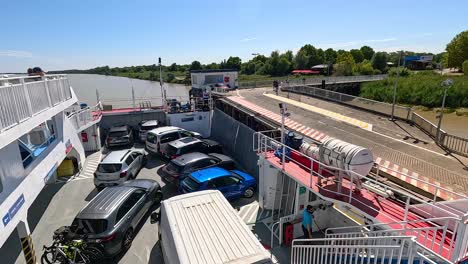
(307,219)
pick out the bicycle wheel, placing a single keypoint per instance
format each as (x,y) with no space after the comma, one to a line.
(94,254)
(50,256)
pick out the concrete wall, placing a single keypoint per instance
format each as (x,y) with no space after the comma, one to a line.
(131,119)
(236,139)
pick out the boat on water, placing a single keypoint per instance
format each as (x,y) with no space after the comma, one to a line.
(357,216)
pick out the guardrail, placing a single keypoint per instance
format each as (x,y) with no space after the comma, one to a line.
(383,249)
(81,118)
(314,80)
(25,96)
(453,143)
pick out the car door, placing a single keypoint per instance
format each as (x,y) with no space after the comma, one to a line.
(137,160)
(167,138)
(229,186)
(139,206)
(130,168)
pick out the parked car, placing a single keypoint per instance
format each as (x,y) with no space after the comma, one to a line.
(233,184)
(118,167)
(178,168)
(119,136)
(112,216)
(146,126)
(158,138)
(185,145)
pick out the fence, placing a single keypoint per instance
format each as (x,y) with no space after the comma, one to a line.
(314,80)
(384,249)
(453,143)
(25,96)
(80,119)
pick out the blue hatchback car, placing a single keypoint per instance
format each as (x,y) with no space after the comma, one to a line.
(233,184)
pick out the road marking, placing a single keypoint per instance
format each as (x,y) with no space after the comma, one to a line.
(337,116)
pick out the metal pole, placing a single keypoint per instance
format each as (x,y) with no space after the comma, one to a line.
(283,158)
(395,89)
(161,83)
(441,115)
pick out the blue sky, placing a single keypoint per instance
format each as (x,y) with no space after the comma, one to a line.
(83,34)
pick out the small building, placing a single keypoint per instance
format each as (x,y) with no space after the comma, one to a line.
(203,78)
(419,62)
(323,68)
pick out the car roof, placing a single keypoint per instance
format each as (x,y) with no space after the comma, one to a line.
(189,158)
(118,128)
(211,142)
(184,142)
(161,130)
(141,183)
(209,174)
(150,123)
(116,156)
(105,202)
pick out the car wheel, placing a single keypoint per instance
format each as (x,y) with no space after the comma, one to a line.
(157,198)
(127,239)
(249,192)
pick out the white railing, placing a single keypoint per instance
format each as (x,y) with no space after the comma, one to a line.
(25,96)
(83,117)
(376,250)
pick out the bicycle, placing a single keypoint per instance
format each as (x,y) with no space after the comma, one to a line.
(66,249)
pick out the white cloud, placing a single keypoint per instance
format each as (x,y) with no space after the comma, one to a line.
(248,39)
(16,53)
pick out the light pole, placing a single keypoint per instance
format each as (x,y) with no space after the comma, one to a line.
(284,114)
(395,89)
(446,85)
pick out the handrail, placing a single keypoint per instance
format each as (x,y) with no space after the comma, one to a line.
(31,77)
(351,173)
(85,115)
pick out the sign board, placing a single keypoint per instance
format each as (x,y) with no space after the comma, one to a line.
(15,207)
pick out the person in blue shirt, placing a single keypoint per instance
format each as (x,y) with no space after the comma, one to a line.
(307,218)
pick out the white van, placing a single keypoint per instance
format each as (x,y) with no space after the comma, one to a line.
(202,227)
(158,138)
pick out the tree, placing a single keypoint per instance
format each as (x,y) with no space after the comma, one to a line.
(379,61)
(357,55)
(172,68)
(367,52)
(212,66)
(330,56)
(457,50)
(465,68)
(234,63)
(283,67)
(363,68)
(344,64)
(300,61)
(196,65)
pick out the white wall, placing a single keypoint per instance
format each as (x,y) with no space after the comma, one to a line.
(94,138)
(11,168)
(201,121)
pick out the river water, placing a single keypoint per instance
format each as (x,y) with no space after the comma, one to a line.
(451,123)
(117,91)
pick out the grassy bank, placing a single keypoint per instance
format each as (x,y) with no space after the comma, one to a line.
(419,89)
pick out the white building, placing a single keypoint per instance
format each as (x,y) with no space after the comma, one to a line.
(201,78)
(37,133)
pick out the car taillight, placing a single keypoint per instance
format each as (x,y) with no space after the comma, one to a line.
(107,239)
(173,156)
(123,174)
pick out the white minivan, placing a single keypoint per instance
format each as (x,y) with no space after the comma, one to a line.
(158,138)
(202,227)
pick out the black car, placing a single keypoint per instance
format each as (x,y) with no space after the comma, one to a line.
(180,167)
(186,145)
(119,136)
(113,215)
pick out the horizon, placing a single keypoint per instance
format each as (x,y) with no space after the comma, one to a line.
(66,36)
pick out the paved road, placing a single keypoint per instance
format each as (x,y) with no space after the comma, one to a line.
(389,142)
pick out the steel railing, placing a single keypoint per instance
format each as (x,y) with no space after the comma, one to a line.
(23,97)
(83,117)
(377,250)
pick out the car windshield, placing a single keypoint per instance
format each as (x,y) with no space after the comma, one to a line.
(117,134)
(174,167)
(191,183)
(89,226)
(236,175)
(109,168)
(146,128)
(151,138)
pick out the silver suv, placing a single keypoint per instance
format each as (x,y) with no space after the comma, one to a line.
(118,167)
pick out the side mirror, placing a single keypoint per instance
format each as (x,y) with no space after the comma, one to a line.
(155,217)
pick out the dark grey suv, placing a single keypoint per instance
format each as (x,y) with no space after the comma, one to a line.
(112,216)
(180,167)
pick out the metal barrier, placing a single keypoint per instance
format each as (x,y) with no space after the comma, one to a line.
(454,143)
(25,96)
(382,249)
(81,118)
(424,124)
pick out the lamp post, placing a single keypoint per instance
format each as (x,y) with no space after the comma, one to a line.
(392,118)
(446,85)
(284,114)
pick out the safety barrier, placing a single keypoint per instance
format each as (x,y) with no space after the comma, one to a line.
(453,143)
(25,96)
(377,250)
(83,117)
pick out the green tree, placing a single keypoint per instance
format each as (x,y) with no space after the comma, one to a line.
(465,67)
(283,67)
(379,61)
(300,61)
(367,52)
(196,65)
(357,55)
(457,50)
(330,55)
(212,66)
(363,68)
(344,64)
(234,63)
(172,68)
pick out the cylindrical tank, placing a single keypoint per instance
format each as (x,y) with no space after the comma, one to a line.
(341,154)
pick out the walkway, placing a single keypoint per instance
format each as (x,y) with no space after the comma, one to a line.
(424,162)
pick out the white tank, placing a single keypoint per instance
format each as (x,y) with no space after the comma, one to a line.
(341,154)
